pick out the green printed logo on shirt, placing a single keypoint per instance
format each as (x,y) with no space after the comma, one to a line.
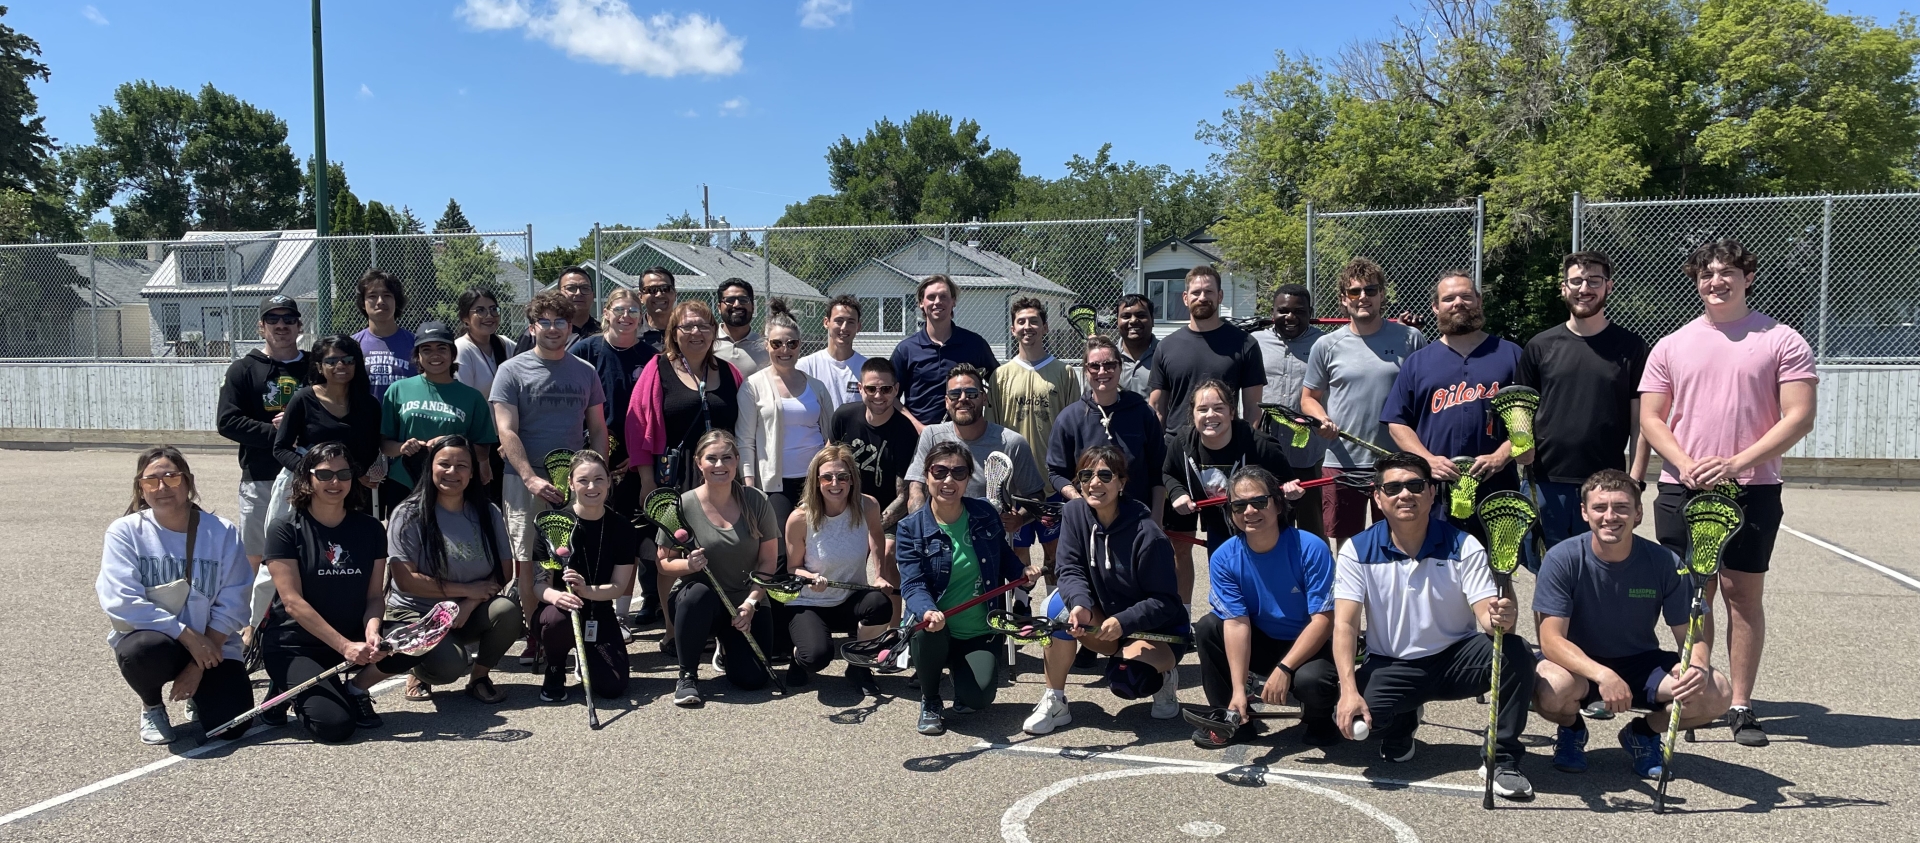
(1643,594)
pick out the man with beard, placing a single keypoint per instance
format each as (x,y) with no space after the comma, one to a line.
(924,360)
(1285,349)
(1440,405)
(577,284)
(658,295)
(738,342)
(1134,317)
(252,400)
(966,406)
(1588,373)
(1205,349)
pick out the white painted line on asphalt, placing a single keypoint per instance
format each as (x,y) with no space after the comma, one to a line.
(1013,823)
(1291,773)
(156,766)
(1816,541)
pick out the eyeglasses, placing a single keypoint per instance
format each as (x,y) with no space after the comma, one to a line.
(694,328)
(1257,503)
(484,311)
(958,473)
(965,393)
(835,477)
(655,290)
(623,310)
(1586,283)
(737,300)
(1109,366)
(1368,291)
(341,360)
(793,344)
(552,324)
(884,389)
(153,482)
(1104,475)
(279,319)
(577,289)
(1393,488)
(331,475)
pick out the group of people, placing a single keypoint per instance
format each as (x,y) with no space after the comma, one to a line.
(867,480)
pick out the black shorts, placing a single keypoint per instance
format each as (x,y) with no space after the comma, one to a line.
(1749,551)
(1642,672)
(1174,522)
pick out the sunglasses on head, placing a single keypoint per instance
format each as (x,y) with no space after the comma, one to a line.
(965,393)
(1393,488)
(942,472)
(1104,475)
(329,475)
(1255,503)
(153,482)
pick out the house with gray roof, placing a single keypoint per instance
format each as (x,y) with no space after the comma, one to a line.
(204,296)
(1166,264)
(987,283)
(698,270)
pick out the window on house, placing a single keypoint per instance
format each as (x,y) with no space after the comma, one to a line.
(213,323)
(202,265)
(1168,298)
(170,322)
(885,314)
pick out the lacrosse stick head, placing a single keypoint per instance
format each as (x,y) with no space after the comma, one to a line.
(781,588)
(1516,405)
(1465,489)
(1084,319)
(557,528)
(998,471)
(662,507)
(1300,426)
(1712,520)
(424,634)
(1021,629)
(559,467)
(1507,517)
(874,652)
(1729,489)
(1220,721)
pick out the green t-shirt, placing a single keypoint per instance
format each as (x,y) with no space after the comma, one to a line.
(416,408)
(963,584)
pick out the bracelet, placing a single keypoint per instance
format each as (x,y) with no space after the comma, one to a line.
(1285,669)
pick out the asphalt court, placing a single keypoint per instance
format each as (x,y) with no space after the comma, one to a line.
(1837,693)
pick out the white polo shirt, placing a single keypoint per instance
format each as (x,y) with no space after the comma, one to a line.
(1415,606)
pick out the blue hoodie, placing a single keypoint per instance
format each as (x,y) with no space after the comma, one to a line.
(1132,580)
(1130,425)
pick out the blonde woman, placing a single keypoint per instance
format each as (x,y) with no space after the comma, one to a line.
(784,417)
(834,536)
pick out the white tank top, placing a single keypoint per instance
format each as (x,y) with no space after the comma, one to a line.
(837,551)
(800,433)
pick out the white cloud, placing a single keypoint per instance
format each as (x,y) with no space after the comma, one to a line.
(823,14)
(735,107)
(365,92)
(608,32)
(93,14)
(689,113)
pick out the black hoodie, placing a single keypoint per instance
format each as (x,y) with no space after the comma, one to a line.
(1124,569)
(1130,425)
(256,389)
(1189,457)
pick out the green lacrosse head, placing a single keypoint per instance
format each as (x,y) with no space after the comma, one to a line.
(781,590)
(1507,516)
(1284,419)
(559,466)
(1015,631)
(557,528)
(1465,489)
(1712,519)
(1083,318)
(1728,488)
(662,507)
(1516,405)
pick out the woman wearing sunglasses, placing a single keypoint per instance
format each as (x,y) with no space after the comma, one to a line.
(480,351)
(618,356)
(950,551)
(163,541)
(1204,456)
(1109,415)
(784,418)
(834,535)
(1116,577)
(336,406)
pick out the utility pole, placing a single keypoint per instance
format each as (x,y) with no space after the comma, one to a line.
(323,291)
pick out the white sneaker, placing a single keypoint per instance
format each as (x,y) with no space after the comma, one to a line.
(155,728)
(1166,701)
(193,713)
(1049,714)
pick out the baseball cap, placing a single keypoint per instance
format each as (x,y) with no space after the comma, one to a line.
(278,302)
(435,331)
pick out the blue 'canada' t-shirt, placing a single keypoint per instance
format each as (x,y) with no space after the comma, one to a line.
(1279,589)
(1612,607)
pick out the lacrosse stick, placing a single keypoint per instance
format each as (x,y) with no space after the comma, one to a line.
(1304,419)
(1084,319)
(413,639)
(784,588)
(1028,629)
(557,527)
(1507,517)
(1465,489)
(559,465)
(1712,519)
(1350,479)
(1516,406)
(663,508)
(998,470)
(1301,426)
(1045,510)
(883,648)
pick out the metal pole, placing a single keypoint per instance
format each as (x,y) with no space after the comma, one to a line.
(1579,204)
(946,243)
(1139,251)
(1826,250)
(227,329)
(93,281)
(323,289)
(1479,236)
(596,263)
(1310,278)
(529,254)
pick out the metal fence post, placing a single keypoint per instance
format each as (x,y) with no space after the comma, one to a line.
(1479,236)
(596,265)
(1826,249)
(946,244)
(1309,267)
(93,281)
(227,329)
(529,253)
(1579,205)
(373,255)
(1139,251)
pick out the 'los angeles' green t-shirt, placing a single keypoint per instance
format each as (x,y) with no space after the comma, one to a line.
(416,408)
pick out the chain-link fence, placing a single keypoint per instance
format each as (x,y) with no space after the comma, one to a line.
(1059,263)
(199,297)
(1839,269)
(1413,246)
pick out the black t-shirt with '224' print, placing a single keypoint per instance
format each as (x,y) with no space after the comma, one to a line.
(884,452)
(335,565)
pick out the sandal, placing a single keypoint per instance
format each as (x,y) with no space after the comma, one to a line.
(481,688)
(417,691)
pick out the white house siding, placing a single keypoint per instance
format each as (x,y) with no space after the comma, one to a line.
(1238,293)
(110,396)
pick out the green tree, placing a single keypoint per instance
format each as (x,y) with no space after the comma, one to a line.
(336,181)
(27,162)
(462,263)
(929,169)
(408,223)
(452,219)
(245,176)
(1176,203)
(379,220)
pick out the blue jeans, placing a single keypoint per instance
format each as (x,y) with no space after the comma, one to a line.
(1560,511)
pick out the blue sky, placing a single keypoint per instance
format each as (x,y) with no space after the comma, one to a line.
(560,113)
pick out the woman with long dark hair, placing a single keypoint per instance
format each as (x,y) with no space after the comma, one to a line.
(329,567)
(479,351)
(337,405)
(173,581)
(420,411)
(447,542)
(599,566)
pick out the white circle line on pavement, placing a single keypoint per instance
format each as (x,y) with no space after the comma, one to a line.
(1422,785)
(1013,823)
(1849,555)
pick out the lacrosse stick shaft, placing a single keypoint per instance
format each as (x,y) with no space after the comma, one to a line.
(580,667)
(283,696)
(733,612)
(1493,698)
(1673,711)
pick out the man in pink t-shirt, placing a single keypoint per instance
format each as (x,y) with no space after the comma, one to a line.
(1721,400)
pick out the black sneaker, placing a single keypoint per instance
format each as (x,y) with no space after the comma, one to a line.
(1322,732)
(277,715)
(670,648)
(553,688)
(1398,750)
(797,675)
(1746,726)
(931,723)
(364,717)
(686,693)
(862,678)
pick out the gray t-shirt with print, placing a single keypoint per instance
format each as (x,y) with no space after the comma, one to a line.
(1357,373)
(1026,481)
(553,397)
(466,552)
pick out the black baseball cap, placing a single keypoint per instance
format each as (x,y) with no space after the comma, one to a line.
(432,332)
(278,302)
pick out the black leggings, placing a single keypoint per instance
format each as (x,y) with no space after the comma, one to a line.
(149,660)
(607,664)
(698,616)
(812,627)
(323,709)
(784,499)
(1316,684)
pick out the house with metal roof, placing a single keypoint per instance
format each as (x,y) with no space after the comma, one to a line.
(987,283)
(113,322)
(204,295)
(1167,263)
(698,270)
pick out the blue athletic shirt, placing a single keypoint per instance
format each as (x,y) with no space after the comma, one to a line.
(1612,608)
(922,367)
(1278,590)
(1444,397)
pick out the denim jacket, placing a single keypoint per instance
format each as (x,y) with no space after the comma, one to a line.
(925,555)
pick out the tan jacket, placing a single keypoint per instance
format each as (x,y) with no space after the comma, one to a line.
(758,427)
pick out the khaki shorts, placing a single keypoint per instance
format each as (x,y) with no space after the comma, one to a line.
(521,510)
(254,498)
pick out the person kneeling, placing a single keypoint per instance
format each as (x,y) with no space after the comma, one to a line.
(1430,603)
(1116,576)
(1271,588)
(1602,595)
(834,535)
(598,567)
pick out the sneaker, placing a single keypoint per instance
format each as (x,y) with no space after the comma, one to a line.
(670,648)
(193,713)
(155,728)
(1746,726)
(1398,750)
(364,717)
(1597,710)
(686,693)
(1166,701)
(1050,713)
(797,675)
(1508,783)
(1643,747)
(626,633)
(647,616)
(1570,749)
(1321,732)
(553,688)
(959,709)
(717,666)
(862,678)
(277,716)
(931,723)
(1213,737)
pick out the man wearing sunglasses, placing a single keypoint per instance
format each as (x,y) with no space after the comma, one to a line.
(882,439)
(1349,373)
(1285,349)
(738,343)
(966,405)
(577,285)
(253,398)
(1430,604)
